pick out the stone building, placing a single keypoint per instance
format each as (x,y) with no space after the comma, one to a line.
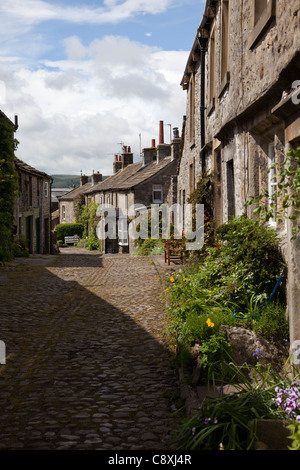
(241,112)
(68,202)
(32,213)
(149,181)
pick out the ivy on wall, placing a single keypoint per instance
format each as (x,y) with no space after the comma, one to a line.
(8,187)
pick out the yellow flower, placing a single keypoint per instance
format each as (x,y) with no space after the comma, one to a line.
(167,290)
(172,279)
(210,323)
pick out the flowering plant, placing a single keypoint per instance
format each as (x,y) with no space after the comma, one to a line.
(289,400)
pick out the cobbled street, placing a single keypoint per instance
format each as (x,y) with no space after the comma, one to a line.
(87,362)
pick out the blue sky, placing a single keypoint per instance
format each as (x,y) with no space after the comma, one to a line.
(84,76)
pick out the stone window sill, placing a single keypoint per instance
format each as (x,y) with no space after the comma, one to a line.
(224,84)
(211,106)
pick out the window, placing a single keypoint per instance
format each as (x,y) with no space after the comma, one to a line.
(63,212)
(123,231)
(218,200)
(191,177)
(225,29)
(157,193)
(46,188)
(30,190)
(212,51)
(192,108)
(263,13)
(272,182)
(230,189)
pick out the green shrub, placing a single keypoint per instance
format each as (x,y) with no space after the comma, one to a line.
(150,247)
(20,249)
(92,243)
(69,230)
(237,274)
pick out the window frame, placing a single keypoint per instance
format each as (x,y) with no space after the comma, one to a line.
(46,189)
(272,185)
(260,27)
(154,190)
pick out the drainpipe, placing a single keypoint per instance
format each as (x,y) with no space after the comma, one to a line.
(203,49)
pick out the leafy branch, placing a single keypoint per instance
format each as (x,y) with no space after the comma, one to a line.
(284,201)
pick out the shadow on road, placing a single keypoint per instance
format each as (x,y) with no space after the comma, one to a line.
(83,363)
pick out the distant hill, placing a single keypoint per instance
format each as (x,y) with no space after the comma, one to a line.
(67,181)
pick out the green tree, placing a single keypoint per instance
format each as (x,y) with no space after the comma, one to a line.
(8,187)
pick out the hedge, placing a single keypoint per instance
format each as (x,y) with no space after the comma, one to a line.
(68,230)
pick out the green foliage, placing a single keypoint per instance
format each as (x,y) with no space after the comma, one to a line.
(228,421)
(68,230)
(287,193)
(87,216)
(20,248)
(92,243)
(8,186)
(238,273)
(150,247)
(294,428)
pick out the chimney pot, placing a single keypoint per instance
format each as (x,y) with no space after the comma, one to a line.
(153,143)
(161,132)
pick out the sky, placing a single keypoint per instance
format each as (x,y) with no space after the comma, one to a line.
(85,77)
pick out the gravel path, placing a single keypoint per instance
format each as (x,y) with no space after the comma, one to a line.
(87,364)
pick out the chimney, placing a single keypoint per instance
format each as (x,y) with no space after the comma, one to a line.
(161,132)
(127,157)
(163,150)
(175,144)
(117,165)
(96,178)
(149,154)
(83,180)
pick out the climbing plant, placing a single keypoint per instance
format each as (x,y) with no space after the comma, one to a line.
(287,192)
(8,187)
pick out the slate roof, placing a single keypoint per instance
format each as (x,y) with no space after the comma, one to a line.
(131,176)
(75,193)
(19,164)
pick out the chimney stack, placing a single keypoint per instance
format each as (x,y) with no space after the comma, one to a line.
(83,180)
(149,154)
(175,144)
(96,178)
(163,150)
(117,165)
(127,157)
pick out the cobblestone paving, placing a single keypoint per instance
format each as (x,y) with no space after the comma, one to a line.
(87,365)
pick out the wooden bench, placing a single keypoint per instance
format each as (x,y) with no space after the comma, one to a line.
(73,239)
(174,251)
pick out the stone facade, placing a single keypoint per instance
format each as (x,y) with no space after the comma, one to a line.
(241,116)
(33,208)
(150,181)
(68,202)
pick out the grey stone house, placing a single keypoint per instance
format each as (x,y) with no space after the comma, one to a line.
(241,117)
(68,202)
(149,181)
(32,213)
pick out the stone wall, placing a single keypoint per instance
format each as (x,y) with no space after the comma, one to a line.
(250,119)
(33,209)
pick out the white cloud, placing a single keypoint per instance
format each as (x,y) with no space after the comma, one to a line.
(74,113)
(29,12)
